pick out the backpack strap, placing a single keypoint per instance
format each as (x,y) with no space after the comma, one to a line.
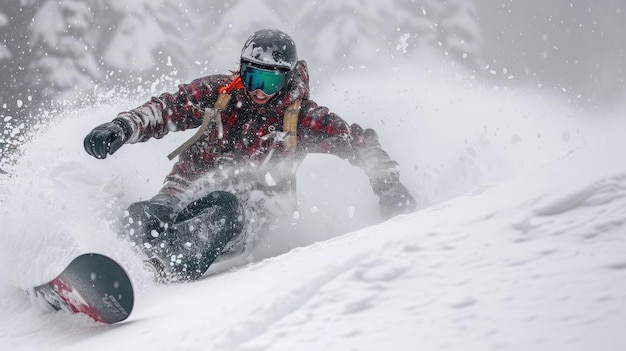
(214,114)
(210,114)
(290,124)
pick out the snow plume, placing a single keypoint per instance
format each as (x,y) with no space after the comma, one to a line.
(448,132)
(519,242)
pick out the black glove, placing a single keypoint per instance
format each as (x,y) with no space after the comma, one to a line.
(107,138)
(396,200)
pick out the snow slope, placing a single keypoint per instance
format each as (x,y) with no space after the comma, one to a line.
(519,244)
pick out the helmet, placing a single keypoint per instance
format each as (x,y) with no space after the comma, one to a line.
(270,48)
(267,61)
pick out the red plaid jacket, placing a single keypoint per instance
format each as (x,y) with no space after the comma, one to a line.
(252,153)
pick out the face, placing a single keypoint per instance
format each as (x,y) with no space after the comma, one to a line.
(259,97)
(262,83)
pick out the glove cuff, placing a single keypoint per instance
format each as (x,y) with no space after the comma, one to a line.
(126,128)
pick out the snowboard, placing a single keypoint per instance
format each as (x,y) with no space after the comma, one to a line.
(91,284)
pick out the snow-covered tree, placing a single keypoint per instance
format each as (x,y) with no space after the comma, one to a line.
(224,26)
(5,53)
(63,42)
(459,33)
(346,32)
(150,35)
(16,94)
(14,50)
(450,26)
(353,29)
(53,50)
(76,43)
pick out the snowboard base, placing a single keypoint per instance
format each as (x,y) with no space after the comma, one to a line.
(94,285)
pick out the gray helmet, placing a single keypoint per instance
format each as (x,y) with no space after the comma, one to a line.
(270,48)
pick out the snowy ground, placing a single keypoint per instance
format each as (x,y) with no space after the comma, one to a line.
(520,243)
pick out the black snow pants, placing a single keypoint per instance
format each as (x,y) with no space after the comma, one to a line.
(187,242)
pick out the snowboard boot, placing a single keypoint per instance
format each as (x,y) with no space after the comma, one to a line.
(197,236)
(145,221)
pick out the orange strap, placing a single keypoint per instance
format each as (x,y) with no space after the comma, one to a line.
(234,85)
(211,114)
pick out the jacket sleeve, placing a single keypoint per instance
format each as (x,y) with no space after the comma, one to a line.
(173,112)
(321,131)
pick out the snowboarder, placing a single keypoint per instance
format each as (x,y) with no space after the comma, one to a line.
(237,173)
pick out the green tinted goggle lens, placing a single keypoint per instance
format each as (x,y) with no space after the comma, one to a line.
(269,81)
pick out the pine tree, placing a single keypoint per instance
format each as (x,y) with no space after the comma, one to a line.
(60,50)
(15,50)
(224,31)
(450,26)
(340,33)
(78,43)
(63,41)
(459,32)
(150,38)
(357,30)
(5,53)
(16,95)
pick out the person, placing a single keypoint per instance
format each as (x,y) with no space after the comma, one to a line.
(237,173)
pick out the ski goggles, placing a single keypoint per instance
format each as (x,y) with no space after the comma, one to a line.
(270,81)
